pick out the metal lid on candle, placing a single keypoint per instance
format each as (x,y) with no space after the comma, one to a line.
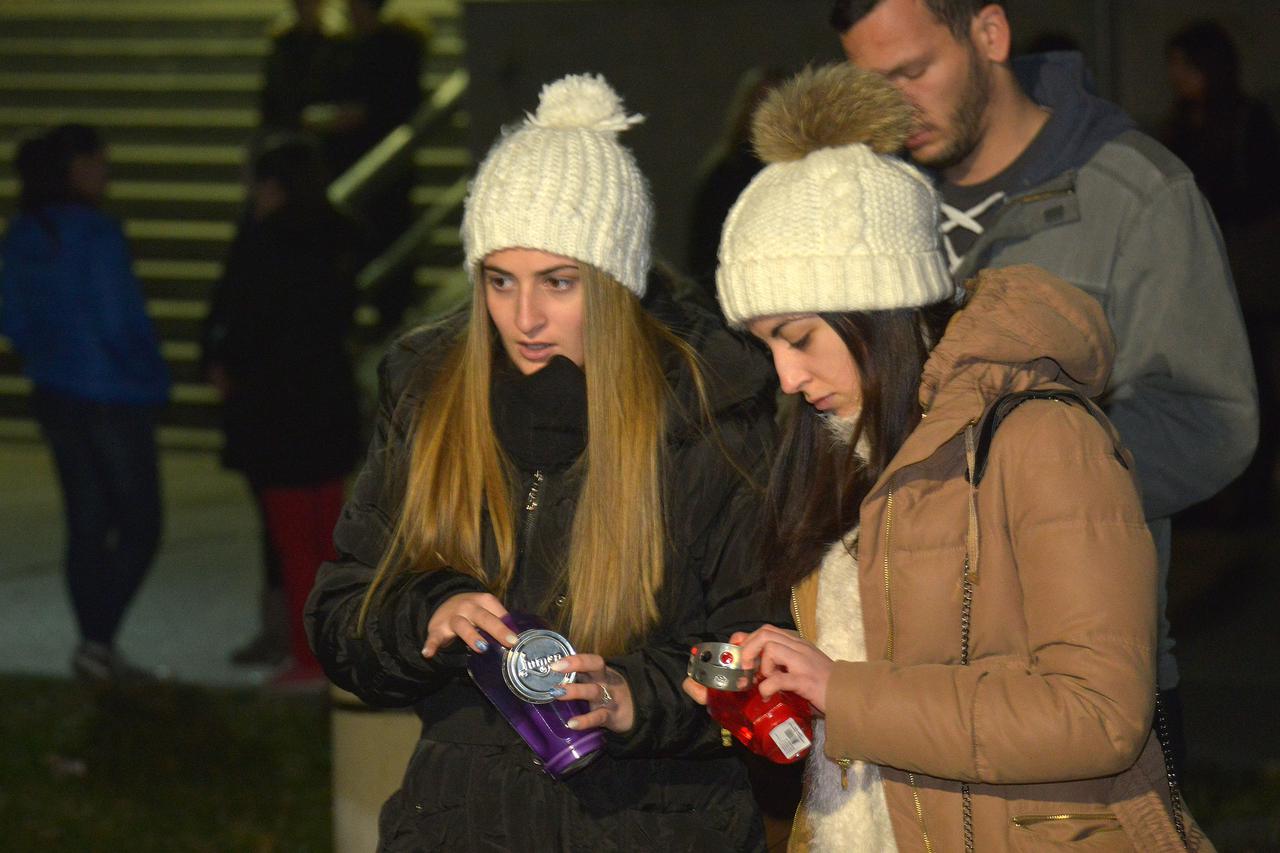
(527,665)
(720,667)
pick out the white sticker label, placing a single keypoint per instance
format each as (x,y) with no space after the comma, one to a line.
(790,738)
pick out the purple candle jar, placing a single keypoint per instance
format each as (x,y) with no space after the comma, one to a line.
(519,681)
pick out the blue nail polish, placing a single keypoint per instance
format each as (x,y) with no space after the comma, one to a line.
(482,646)
(557,691)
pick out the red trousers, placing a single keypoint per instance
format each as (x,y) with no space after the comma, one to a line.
(300,522)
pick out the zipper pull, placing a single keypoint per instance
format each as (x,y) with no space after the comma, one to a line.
(726,739)
(844,772)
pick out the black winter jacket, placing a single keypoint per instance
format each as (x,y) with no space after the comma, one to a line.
(277,325)
(669,783)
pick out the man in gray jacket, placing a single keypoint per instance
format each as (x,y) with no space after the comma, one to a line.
(1033,168)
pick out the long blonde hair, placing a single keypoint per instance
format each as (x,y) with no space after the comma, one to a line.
(458,474)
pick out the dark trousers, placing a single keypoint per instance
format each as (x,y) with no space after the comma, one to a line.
(106,459)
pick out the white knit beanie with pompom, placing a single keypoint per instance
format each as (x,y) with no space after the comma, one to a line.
(834,222)
(560,182)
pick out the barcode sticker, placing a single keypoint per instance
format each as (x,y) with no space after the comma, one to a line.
(790,738)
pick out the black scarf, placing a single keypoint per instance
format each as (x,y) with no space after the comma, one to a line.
(540,419)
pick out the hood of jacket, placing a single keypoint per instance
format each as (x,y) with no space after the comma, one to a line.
(1022,328)
(737,376)
(1080,122)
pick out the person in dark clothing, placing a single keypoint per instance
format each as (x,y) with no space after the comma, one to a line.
(304,68)
(1230,142)
(74,311)
(557,450)
(381,90)
(275,347)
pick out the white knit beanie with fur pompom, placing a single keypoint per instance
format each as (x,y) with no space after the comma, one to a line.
(834,222)
(560,182)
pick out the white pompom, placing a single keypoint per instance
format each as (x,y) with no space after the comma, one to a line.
(582,100)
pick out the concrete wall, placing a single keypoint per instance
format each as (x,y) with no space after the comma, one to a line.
(678,62)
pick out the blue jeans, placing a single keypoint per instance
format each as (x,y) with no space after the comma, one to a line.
(106,459)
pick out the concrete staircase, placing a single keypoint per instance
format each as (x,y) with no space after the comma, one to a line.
(173,87)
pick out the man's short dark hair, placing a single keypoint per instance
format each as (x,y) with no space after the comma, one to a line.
(955,15)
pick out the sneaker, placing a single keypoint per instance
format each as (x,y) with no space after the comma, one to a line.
(99,664)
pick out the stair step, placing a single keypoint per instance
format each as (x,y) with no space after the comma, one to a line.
(99,89)
(20,428)
(131,124)
(179,126)
(14,391)
(205,10)
(189,18)
(225,163)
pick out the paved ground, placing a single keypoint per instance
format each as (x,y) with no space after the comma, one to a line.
(198,603)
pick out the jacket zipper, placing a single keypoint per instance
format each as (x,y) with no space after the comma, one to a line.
(915,795)
(531,502)
(530,511)
(795,611)
(888,592)
(795,614)
(1023,821)
(888,606)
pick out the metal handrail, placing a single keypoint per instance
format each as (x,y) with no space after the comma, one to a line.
(368,175)
(402,252)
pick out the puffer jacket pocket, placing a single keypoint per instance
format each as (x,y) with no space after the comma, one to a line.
(1084,831)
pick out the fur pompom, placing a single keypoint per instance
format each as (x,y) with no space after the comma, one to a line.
(830,107)
(582,100)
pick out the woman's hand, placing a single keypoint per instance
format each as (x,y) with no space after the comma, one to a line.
(604,689)
(464,616)
(787,662)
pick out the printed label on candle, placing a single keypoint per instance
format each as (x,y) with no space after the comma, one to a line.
(790,738)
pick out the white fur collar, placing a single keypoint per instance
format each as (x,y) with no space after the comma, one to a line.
(856,818)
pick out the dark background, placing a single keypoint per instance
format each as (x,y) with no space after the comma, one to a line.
(678,62)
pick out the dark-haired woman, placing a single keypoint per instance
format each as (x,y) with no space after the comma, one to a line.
(276,348)
(558,450)
(969,568)
(74,312)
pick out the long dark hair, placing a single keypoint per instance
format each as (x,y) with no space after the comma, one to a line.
(817,484)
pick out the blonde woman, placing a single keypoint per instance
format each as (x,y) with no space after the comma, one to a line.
(556,450)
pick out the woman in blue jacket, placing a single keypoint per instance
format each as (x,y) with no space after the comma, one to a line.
(74,312)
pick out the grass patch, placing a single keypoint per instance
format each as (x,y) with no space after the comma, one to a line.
(179,769)
(166,768)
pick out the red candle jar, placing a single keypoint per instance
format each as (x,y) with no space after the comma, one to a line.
(779,728)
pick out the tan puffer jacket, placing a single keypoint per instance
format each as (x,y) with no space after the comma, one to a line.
(1061,680)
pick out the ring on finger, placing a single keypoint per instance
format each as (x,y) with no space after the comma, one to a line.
(605,697)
